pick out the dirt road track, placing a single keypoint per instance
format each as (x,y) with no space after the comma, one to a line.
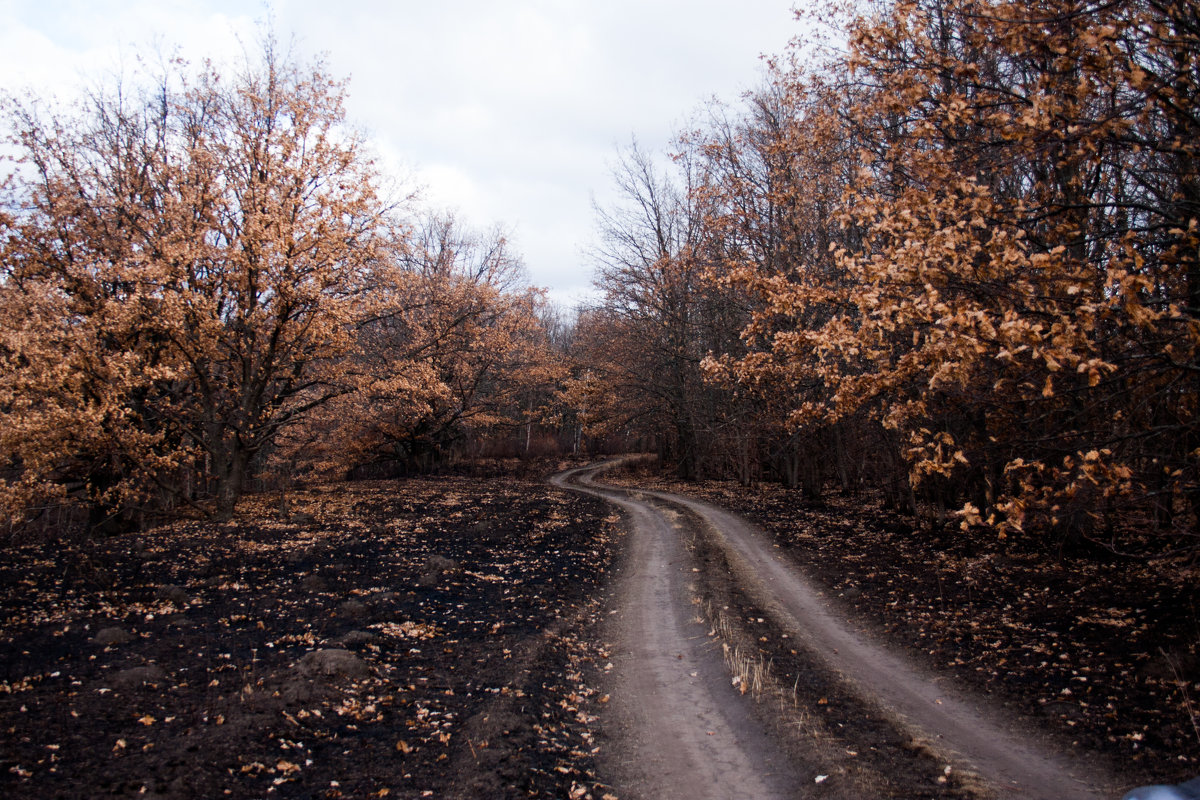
(691,736)
(694,737)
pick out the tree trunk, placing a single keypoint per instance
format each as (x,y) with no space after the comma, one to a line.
(842,460)
(810,476)
(686,448)
(231,476)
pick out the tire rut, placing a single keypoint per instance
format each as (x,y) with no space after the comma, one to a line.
(957,729)
(687,734)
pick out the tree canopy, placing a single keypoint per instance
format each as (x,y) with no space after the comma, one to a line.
(951,253)
(196,264)
(963,252)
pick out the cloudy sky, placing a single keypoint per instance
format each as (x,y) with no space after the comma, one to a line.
(510,112)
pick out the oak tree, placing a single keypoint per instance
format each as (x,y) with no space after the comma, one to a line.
(183,267)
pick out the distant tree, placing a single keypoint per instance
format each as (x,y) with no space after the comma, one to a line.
(779,172)
(658,315)
(452,349)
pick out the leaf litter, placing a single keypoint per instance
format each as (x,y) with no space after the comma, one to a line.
(426,637)
(1100,653)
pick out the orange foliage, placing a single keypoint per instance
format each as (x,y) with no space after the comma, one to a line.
(198,251)
(987,220)
(202,277)
(453,348)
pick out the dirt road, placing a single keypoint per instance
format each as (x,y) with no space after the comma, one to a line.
(688,733)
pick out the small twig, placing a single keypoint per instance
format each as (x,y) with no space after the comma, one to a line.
(1182,685)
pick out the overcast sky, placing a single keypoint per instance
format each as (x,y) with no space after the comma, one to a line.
(508,112)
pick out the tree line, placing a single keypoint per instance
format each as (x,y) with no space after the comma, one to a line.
(949,250)
(205,282)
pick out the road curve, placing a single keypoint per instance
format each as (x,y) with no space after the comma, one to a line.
(960,728)
(689,735)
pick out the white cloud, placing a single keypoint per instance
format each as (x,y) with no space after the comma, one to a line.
(509,111)
(55,48)
(448,186)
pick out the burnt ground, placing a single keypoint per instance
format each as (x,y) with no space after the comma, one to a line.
(441,637)
(1098,654)
(417,638)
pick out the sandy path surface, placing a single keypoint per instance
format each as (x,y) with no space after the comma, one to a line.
(696,738)
(689,733)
